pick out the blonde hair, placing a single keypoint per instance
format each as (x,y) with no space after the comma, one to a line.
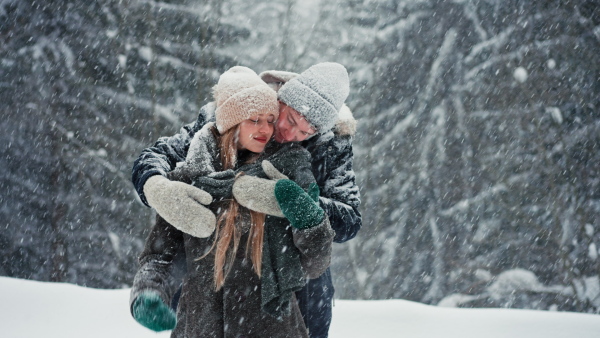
(227,239)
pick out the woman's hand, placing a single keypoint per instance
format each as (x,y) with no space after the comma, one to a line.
(182,205)
(258,194)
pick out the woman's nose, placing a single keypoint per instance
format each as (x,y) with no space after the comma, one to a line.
(264,126)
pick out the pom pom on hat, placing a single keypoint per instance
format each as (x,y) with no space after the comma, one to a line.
(241,94)
(318,93)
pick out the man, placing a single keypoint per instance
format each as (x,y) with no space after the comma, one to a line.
(311,113)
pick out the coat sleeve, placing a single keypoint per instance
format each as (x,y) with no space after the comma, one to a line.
(163,156)
(313,243)
(162,263)
(340,198)
(315,248)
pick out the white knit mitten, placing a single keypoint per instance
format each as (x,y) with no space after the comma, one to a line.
(182,205)
(258,194)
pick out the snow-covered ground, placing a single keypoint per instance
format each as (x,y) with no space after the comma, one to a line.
(51,310)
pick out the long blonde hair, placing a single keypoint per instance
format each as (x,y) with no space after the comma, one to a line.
(227,239)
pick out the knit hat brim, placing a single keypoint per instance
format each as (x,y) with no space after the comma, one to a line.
(308,103)
(245,104)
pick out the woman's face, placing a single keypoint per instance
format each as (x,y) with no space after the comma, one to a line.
(255,132)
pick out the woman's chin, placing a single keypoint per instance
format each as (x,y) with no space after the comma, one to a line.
(256,148)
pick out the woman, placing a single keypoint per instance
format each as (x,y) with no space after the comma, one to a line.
(241,280)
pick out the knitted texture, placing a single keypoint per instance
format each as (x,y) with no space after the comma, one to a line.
(182,205)
(318,93)
(218,184)
(300,208)
(241,94)
(257,193)
(282,272)
(150,311)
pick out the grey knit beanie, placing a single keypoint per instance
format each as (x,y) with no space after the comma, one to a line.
(241,94)
(318,93)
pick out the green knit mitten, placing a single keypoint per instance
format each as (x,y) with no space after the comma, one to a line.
(150,311)
(300,208)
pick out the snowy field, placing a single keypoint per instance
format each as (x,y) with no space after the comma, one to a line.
(35,309)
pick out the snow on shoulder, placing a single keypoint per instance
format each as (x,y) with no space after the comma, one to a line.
(52,310)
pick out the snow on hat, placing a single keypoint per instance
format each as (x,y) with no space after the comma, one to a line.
(318,93)
(241,94)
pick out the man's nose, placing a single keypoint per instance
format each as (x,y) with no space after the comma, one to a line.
(289,134)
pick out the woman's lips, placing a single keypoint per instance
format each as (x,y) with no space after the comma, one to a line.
(261,139)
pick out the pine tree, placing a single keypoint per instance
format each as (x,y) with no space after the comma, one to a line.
(85,87)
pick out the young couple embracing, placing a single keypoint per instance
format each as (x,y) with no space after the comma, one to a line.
(249,200)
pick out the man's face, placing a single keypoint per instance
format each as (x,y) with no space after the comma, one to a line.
(291,126)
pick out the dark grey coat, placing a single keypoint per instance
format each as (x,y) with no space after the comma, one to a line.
(235,310)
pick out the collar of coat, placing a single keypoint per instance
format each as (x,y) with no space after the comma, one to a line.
(201,152)
(346,124)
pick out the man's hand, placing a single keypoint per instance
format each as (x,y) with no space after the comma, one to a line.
(150,311)
(182,205)
(300,208)
(258,194)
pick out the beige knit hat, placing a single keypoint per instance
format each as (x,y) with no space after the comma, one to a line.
(241,94)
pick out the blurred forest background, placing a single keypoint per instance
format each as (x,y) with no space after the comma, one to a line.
(477,152)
